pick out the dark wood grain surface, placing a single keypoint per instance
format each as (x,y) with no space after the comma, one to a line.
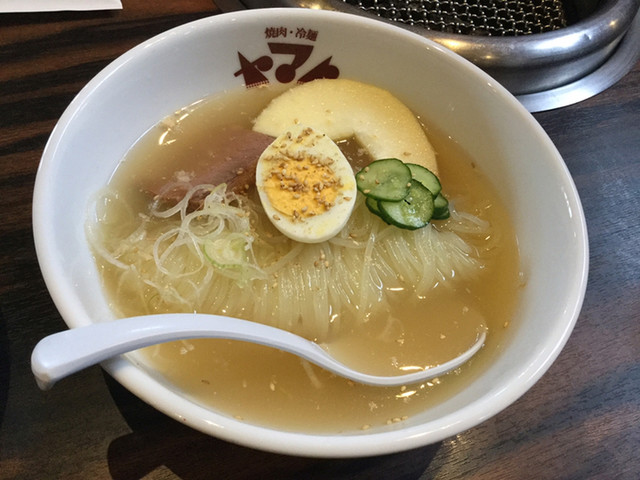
(581,421)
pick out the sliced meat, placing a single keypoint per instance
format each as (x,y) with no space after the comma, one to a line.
(233,164)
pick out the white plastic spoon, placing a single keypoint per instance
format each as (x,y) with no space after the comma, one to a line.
(64,353)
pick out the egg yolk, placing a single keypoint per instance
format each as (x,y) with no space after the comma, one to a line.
(301,187)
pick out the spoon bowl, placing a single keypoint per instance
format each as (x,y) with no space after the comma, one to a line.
(67,352)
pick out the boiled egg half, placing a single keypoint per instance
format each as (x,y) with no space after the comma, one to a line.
(306,185)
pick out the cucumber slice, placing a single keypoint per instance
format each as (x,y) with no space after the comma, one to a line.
(440,208)
(412,212)
(372,205)
(386,179)
(426,177)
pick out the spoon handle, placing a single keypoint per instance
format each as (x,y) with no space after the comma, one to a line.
(67,352)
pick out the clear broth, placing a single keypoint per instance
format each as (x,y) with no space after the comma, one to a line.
(271,388)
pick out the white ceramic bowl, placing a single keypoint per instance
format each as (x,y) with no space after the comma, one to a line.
(198,59)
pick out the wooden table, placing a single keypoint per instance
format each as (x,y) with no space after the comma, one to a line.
(581,421)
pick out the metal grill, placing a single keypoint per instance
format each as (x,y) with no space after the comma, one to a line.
(471,17)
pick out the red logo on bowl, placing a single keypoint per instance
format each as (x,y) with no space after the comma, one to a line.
(286,59)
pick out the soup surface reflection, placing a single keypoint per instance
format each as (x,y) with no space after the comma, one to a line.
(415,329)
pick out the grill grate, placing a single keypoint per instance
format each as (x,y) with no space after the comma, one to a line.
(471,17)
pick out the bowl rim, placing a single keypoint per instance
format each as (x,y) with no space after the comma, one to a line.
(126,370)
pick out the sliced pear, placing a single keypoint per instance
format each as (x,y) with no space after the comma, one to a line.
(345,108)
